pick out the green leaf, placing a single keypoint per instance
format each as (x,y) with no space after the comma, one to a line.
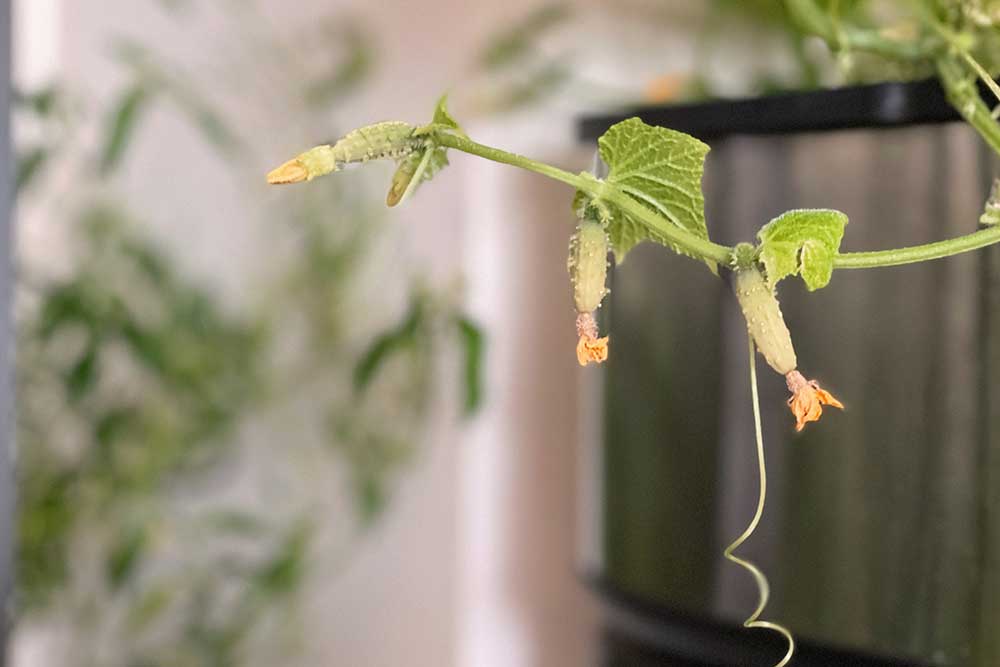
(442,116)
(187,98)
(126,555)
(624,233)
(41,102)
(121,126)
(472,348)
(355,63)
(214,128)
(235,523)
(29,165)
(372,496)
(802,242)
(530,87)
(283,570)
(662,170)
(83,374)
(516,41)
(149,606)
(384,346)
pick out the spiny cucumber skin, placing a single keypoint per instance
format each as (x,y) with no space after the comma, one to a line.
(764,320)
(385,140)
(588,265)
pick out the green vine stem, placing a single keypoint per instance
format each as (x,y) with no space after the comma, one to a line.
(686,241)
(964,96)
(708,250)
(919,253)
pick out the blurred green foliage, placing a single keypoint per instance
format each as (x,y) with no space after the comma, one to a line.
(353,61)
(46,109)
(516,42)
(183,373)
(525,64)
(137,384)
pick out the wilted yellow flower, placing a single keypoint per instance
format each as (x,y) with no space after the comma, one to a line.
(590,347)
(808,399)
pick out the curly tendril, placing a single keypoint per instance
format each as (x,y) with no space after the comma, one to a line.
(763,588)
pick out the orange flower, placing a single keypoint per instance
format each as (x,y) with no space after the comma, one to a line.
(808,399)
(590,348)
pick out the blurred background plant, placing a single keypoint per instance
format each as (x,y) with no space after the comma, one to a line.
(142,535)
(795,47)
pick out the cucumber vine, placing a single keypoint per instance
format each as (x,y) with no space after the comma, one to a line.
(652,192)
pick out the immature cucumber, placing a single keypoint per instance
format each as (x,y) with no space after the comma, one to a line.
(588,265)
(764,320)
(388,139)
(588,270)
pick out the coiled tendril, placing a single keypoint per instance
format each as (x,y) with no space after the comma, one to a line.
(763,588)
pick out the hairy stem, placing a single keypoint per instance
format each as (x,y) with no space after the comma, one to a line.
(918,253)
(704,249)
(683,239)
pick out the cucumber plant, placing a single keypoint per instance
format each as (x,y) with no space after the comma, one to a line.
(652,192)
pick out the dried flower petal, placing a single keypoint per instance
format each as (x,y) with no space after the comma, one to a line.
(808,399)
(591,350)
(292,171)
(590,347)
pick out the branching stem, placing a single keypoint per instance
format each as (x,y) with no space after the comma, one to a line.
(686,241)
(714,252)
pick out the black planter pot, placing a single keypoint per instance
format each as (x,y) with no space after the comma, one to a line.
(881,536)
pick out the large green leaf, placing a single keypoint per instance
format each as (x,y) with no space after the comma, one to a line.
(803,242)
(662,170)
